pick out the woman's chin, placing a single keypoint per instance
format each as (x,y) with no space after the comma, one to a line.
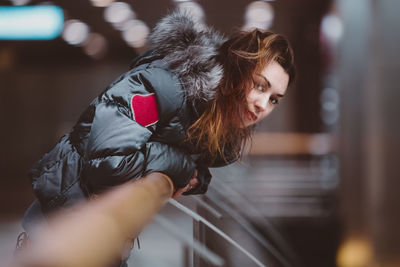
(246,124)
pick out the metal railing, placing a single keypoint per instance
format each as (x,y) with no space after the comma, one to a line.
(97,232)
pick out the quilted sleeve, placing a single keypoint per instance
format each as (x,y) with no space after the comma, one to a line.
(118,147)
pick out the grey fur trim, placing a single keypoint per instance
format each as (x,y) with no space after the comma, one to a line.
(190,49)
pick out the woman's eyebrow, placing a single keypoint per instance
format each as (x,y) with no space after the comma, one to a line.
(266,80)
(268,83)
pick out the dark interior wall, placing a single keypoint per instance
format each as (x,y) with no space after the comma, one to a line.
(300,22)
(40,103)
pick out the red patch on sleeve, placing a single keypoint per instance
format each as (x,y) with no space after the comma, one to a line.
(144,109)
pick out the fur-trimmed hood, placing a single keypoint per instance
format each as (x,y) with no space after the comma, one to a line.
(190,49)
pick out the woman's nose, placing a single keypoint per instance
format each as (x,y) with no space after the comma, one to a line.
(262,102)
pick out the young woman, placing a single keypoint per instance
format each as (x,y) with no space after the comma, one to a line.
(187,104)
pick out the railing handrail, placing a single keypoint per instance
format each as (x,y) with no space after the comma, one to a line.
(199,218)
(77,237)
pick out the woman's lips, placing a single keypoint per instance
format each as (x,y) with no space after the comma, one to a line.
(251,116)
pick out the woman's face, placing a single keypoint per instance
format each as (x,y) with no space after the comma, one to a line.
(269,86)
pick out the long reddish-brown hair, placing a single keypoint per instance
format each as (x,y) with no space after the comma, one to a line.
(218,131)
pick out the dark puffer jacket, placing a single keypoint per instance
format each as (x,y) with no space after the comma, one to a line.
(138,124)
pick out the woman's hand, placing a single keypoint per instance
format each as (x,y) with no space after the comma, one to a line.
(192,184)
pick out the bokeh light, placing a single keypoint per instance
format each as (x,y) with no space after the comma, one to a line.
(20,2)
(75,32)
(332,28)
(259,14)
(118,13)
(330,105)
(95,46)
(30,22)
(101,3)
(192,8)
(135,33)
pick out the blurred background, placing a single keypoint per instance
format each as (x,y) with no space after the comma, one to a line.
(320,185)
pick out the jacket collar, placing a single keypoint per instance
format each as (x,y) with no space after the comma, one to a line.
(189,48)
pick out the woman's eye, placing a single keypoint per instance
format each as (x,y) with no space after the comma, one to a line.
(259,87)
(274,101)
